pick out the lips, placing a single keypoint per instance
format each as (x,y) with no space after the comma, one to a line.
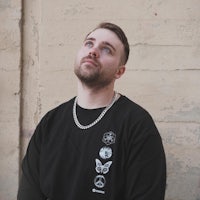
(90,61)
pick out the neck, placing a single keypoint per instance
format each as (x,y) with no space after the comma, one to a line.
(91,98)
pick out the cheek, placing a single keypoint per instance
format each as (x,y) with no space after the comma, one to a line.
(111,63)
(83,52)
(79,56)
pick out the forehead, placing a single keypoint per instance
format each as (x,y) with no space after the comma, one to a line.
(105,35)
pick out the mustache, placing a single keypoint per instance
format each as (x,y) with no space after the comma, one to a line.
(89,57)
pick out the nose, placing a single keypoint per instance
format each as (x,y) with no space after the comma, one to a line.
(94,53)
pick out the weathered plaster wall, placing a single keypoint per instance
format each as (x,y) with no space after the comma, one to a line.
(163,74)
(10,48)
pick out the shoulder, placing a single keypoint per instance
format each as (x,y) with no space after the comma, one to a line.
(60,109)
(58,113)
(54,118)
(130,108)
(139,123)
(135,116)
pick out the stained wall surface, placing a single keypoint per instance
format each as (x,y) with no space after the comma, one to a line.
(10,60)
(38,43)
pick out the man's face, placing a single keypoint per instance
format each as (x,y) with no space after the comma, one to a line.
(98,62)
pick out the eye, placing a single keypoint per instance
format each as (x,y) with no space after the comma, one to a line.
(106,50)
(89,44)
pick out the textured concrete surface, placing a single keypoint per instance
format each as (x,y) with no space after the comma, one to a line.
(10,52)
(163,75)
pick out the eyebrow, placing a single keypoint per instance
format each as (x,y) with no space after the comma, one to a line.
(104,42)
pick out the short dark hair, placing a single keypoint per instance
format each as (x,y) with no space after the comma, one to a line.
(120,34)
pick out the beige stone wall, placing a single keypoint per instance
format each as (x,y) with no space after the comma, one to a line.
(10,60)
(163,75)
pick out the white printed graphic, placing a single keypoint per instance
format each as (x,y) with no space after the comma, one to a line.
(99,181)
(98,191)
(100,168)
(105,152)
(109,138)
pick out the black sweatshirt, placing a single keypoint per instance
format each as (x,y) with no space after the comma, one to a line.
(120,158)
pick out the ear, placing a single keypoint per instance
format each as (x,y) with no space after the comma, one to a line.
(120,71)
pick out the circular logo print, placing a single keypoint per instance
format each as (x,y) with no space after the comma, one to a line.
(109,138)
(99,181)
(105,152)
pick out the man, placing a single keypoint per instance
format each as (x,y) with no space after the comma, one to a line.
(99,145)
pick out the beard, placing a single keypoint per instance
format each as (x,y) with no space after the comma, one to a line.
(91,76)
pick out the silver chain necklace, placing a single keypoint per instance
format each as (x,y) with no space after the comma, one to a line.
(115,97)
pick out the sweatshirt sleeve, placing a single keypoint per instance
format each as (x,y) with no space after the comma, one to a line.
(29,187)
(146,164)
